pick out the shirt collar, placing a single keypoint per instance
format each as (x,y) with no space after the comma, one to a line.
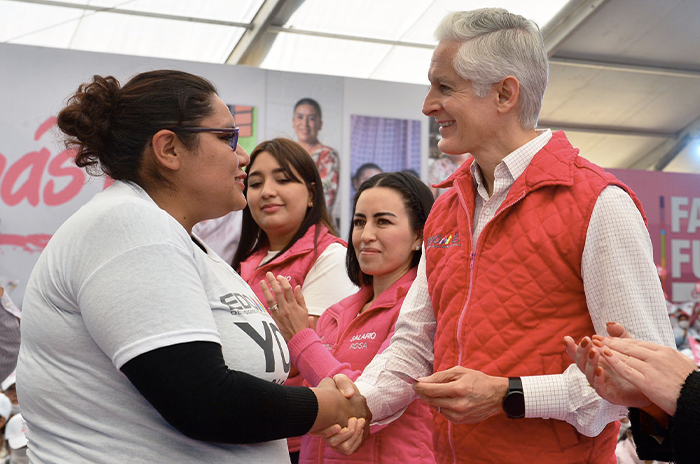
(515,163)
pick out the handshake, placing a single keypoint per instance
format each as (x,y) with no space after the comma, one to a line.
(343,416)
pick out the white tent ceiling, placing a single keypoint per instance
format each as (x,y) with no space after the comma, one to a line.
(625,74)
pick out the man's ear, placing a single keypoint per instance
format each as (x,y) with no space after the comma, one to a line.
(167,148)
(508,91)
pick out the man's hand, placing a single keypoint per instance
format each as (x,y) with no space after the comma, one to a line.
(463,396)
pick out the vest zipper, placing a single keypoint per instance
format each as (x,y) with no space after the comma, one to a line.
(472,259)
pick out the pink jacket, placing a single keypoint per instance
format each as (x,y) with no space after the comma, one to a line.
(294,263)
(345,342)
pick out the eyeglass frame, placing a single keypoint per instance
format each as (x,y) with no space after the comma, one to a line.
(222,130)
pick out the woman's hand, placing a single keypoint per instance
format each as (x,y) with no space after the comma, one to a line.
(290,315)
(657,371)
(613,388)
(346,439)
(339,408)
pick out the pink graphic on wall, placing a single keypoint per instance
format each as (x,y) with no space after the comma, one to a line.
(671,203)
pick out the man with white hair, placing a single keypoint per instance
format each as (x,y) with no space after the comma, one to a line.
(531,243)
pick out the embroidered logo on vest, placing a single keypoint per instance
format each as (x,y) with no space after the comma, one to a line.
(446,241)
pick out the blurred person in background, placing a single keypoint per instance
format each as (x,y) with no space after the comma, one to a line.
(15,434)
(10,316)
(363,173)
(9,388)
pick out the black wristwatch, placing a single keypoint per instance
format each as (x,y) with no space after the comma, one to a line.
(514,401)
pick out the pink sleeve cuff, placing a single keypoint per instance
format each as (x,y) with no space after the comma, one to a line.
(311,357)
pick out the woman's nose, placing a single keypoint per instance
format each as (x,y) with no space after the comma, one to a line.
(243,157)
(368,233)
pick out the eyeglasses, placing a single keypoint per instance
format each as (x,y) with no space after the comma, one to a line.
(234,131)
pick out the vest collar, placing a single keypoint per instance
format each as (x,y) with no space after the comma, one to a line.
(387,299)
(553,165)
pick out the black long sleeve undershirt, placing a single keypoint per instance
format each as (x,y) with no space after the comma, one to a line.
(190,385)
(681,437)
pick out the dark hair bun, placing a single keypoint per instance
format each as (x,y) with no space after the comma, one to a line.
(110,126)
(87,118)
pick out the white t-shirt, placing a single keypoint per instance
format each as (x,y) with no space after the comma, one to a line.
(121,278)
(222,234)
(326,282)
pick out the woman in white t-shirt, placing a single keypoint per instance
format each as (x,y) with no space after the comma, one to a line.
(288,232)
(139,343)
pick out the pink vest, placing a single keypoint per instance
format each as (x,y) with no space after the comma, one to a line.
(355,339)
(295,264)
(505,308)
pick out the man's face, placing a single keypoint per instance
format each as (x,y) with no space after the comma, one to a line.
(307,124)
(466,122)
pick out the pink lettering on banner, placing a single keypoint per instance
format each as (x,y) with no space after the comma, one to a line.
(34,243)
(57,169)
(32,167)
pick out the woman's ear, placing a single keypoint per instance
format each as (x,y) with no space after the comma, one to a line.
(312,192)
(418,243)
(167,149)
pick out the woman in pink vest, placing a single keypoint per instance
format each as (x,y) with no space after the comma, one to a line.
(287,231)
(383,252)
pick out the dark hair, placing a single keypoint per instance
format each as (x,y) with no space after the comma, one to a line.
(310,102)
(364,168)
(110,126)
(288,154)
(417,199)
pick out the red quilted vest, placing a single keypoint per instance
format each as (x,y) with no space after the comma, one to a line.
(505,308)
(295,264)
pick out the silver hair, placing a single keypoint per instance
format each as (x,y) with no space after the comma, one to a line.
(494,44)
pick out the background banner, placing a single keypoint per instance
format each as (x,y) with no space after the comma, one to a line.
(671,203)
(40,187)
